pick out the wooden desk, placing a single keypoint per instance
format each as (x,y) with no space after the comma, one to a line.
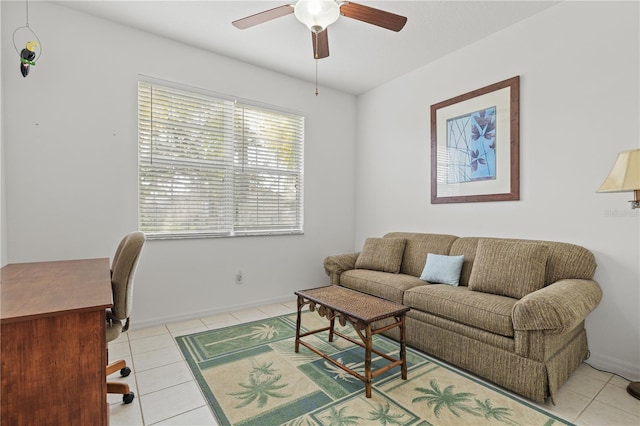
(53,337)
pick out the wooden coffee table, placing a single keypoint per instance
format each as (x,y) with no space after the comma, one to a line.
(360,310)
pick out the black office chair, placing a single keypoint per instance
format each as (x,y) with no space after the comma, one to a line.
(123,270)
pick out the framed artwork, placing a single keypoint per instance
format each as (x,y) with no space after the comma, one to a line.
(475,145)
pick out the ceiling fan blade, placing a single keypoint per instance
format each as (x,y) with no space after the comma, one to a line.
(320,44)
(262,17)
(378,17)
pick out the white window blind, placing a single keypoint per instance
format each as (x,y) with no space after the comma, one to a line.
(210,166)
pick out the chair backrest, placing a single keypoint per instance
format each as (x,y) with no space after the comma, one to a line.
(123,269)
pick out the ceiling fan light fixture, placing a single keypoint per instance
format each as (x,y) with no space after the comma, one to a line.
(317,14)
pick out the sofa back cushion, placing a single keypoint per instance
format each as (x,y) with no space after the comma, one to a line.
(381,254)
(564,260)
(418,245)
(509,268)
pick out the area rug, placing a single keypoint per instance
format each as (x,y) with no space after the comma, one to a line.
(251,375)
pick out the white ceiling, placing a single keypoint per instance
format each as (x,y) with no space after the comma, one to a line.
(362,56)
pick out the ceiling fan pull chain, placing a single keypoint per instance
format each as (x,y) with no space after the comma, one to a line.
(316,77)
(316,59)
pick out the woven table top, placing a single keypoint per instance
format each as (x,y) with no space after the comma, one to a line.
(361,306)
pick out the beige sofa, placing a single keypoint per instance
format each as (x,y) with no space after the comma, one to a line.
(516,318)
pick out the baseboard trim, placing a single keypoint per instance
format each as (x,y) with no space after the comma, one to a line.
(139,324)
(617,366)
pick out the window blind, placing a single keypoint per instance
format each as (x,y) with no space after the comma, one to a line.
(210,166)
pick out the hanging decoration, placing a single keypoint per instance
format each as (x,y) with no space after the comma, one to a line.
(31,49)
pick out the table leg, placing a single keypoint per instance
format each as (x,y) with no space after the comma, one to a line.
(298,322)
(403,348)
(368,344)
(332,323)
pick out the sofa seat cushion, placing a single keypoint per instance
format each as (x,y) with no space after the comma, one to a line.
(381,284)
(485,311)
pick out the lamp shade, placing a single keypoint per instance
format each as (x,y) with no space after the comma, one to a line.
(317,14)
(625,174)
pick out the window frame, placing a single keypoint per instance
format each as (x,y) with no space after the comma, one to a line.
(274,171)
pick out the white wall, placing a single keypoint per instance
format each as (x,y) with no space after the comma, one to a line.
(69,138)
(579,107)
(71,164)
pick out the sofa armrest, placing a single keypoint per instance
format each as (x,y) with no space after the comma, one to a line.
(336,265)
(558,307)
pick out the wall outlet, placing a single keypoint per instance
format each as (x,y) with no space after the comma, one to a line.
(239,277)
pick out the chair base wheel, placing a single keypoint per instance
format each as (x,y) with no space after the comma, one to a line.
(125,371)
(127,398)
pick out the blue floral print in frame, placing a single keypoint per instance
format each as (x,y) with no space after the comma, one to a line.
(471,146)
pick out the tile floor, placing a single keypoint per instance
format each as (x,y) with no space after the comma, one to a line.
(167,394)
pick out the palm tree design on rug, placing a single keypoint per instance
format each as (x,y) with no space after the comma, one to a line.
(339,418)
(301,421)
(489,412)
(382,414)
(340,374)
(263,384)
(258,332)
(456,402)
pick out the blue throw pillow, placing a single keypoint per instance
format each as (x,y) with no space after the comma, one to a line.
(442,269)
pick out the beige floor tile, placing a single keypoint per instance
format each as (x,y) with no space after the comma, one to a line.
(152,343)
(619,381)
(184,325)
(276,309)
(217,326)
(188,331)
(584,384)
(118,350)
(293,305)
(219,319)
(123,337)
(222,325)
(600,414)
(170,402)
(248,315)
(163,377)
(618,397)
(126,414)
(569,404)
(593,372)
(147,332)
(199,417)
(157,358)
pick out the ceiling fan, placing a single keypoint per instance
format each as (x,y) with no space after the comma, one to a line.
(317,15)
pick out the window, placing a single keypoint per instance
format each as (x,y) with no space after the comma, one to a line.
(210,166)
